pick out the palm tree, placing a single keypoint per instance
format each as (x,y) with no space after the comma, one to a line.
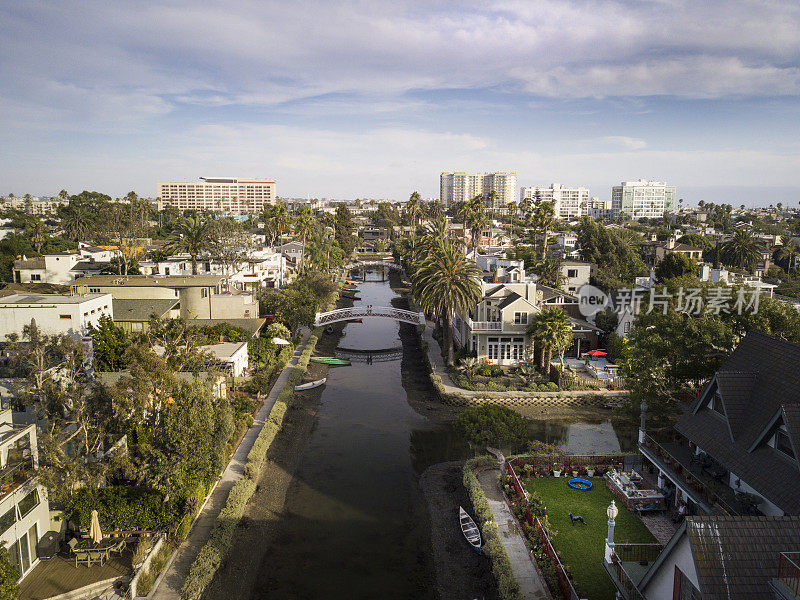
(37,232)
(791,251)
(304,226)
(412,207)
(477,222)
(447,281)
(193,236)
(543,216)
(63,194)
(77,219)
(552,330)
(742,250)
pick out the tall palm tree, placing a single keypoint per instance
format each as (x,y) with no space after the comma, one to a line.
(304,226)
(412,207)
(37,232)
(447,281)
(477,221)
(193,236)
(742,250)
(543,215)
(281,219)
(552,330)
(791,251)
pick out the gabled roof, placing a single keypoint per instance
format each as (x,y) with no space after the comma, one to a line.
(736,557)
(139,310)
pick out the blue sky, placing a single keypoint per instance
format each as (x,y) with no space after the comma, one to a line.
(374,98)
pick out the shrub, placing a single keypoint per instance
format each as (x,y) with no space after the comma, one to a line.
(492,424)
(124,507)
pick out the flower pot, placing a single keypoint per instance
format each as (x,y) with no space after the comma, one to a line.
(574,472)
(590,472)
(556,473)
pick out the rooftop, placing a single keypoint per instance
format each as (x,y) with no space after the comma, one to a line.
(223,350)
(169,281)
(45,299)
(137,310)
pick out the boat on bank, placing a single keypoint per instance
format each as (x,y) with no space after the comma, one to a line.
(470,530)
(330,360)
(310,385)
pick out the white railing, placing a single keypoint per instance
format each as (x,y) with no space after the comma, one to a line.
(357,312)
(484,325)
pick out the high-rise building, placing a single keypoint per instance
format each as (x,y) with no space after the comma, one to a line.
(461,187)
(642,199)
(568,203)
(229,195)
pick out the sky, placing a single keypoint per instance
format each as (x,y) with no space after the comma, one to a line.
(375,98)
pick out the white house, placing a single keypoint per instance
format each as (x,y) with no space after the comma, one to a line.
(24,509)
(576,273)
(53,313)
(50,268)
(233,354)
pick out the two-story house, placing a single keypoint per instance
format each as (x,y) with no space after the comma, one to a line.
(654,251)
(50,268)
(737,448)
(24,509)
(54,313)
(576,273)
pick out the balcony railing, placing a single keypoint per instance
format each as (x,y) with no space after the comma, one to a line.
(789,572)
(623,580)
(14,475)
(704,491)
(484,325)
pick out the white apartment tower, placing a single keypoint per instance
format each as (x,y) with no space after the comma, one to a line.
(569,203)
(460,187)
(228,195)
(642,199)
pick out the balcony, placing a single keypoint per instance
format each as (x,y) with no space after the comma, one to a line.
(484,325)
(705,484)
(787,583)
(14,475)
(629,563)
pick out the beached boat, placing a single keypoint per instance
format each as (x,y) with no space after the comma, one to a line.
(351,297)
(359,320)
(310,385)
(470,530)
(351,282)
(330,360)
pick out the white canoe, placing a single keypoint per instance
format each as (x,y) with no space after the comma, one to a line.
(469,529)
(311,385)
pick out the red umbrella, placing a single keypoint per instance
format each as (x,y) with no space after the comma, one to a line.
(596,353)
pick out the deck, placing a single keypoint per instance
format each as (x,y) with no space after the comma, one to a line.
(60,575)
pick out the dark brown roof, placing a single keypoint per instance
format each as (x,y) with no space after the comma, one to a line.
(736,557)
(759,382)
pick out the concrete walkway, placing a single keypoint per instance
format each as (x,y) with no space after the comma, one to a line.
(169,585)
(531,585)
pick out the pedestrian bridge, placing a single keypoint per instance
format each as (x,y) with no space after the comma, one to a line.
(367,264)
(358,312)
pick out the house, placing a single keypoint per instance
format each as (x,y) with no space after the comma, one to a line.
(53,313)
(737,447)
(216,381)
(293,251)
(134,315)
(200,296)
(96,253)
(496,328)
(714,557)
(232,354)
(654,251)
(576,273)
(24,508)
(373,234)
(568,243)
(499,269)
(50,268)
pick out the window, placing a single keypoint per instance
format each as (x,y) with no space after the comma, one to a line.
(716,404)
(8,519)
(204,292)
(572,272)
(64,317)
(782,442)
(36,277)
(28,503)
(520,318)
(94,290)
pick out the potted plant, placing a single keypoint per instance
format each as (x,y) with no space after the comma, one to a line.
(574,471)
(556,470)
(590,470)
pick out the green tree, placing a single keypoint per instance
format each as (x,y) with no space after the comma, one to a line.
(674,265)
(344,229)
(193,236)
(412,208)
(789,252)
(696,240)
(304,226)
(492,425)
(444,282)
(9,590)
(109,345)
(543,216)
(742,250)
(551,330)
(607,320)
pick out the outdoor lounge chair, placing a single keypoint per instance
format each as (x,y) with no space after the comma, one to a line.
(118,546)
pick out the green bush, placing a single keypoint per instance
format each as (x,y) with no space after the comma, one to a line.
(157,564)
(124,507)
(492,424)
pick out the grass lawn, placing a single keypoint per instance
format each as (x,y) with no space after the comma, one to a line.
(582,546)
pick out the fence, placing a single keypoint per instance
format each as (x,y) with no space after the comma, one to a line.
(569,462)
(624,580)
(789,571)
(564,584)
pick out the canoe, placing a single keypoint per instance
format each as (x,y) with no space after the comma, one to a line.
(329,360)
(359,320)
(470,530)
(350,297)
(310,385)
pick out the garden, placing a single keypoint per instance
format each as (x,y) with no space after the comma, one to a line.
(580,545)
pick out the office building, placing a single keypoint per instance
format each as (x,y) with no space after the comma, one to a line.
(228,195)
(642,199)
(569,203)
(461,187)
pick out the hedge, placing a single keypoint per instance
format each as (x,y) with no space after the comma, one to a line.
(124,507)
(507,585)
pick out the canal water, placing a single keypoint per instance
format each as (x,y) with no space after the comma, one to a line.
(355,524)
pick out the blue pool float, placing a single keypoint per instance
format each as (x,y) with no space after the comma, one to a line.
(578,483)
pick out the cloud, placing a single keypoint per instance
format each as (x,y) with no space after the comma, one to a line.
(624,141)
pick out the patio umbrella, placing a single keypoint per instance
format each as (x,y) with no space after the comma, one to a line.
(94,529)
(596,353)
(280,342)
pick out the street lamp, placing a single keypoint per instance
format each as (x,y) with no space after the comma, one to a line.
(612,511)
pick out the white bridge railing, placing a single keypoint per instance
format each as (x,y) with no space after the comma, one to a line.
(374,263)
(357,312)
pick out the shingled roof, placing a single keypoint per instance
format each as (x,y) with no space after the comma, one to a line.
(736,557)
(758,383)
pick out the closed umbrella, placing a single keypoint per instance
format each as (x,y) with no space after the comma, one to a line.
(95,533)
(280,342)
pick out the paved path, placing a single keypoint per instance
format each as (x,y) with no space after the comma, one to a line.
(170,584)
(531,585)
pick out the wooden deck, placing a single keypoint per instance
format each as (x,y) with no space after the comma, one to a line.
(59,575)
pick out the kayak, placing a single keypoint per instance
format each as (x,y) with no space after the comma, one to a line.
(330,360)
(310,385)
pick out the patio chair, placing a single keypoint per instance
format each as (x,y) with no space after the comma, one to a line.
(83,557)
(97,556)
(118,546)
